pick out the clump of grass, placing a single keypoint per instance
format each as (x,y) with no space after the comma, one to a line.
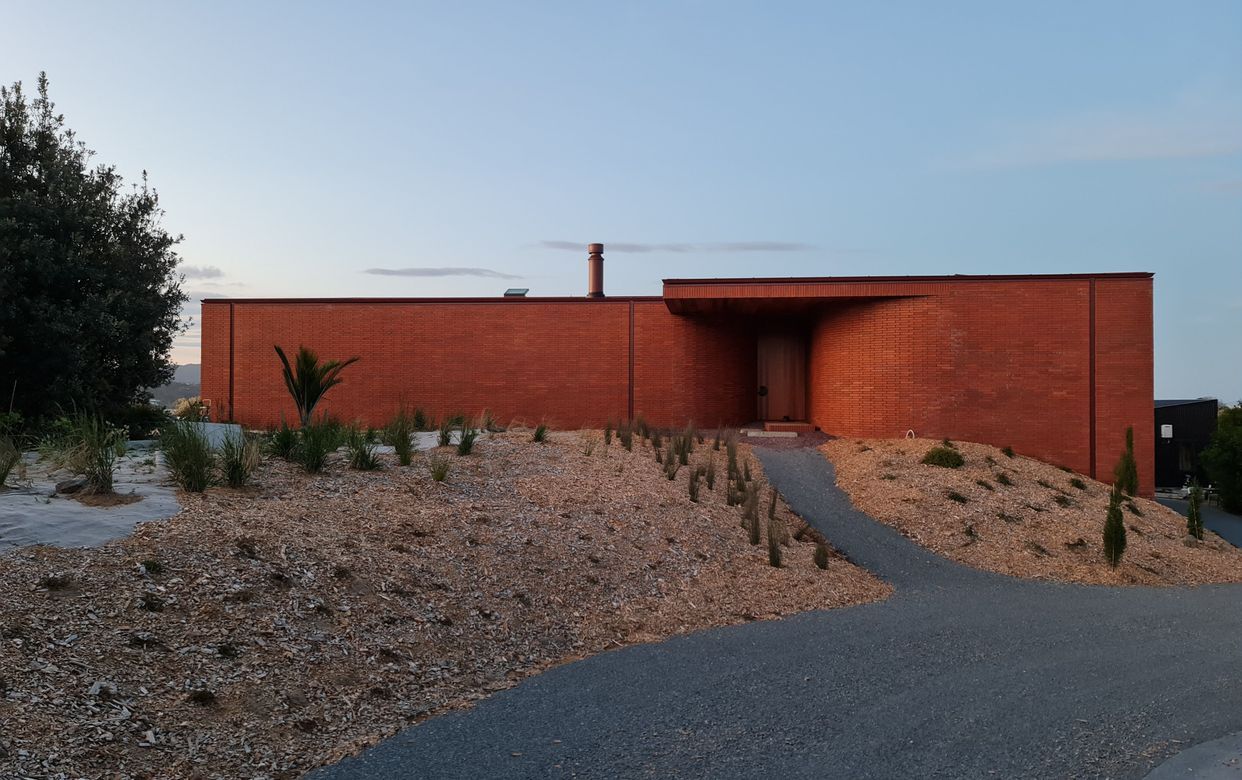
(1063,500)
(99,444)
(1044,483)
(1007,452)
(284,440)
(541,433)
(944,457)
(693,484)
(750,513)
(657,439)
(1078,483)
(201,697)
(152,567)
(438,465)
(446,432)
(188,454)
(774,540)
(1004,479)
(746,470)
(641,427)
(671,466)
(362,455)
(821,555)
(716,441)
(608,433)
(487,421)
(9,456)
(772,506)
(422,421)
(948,444)
(709,474)
(588,444)
(316,442)
(247,547)
(56,581)
(953,495)
(983,483)
(988,459)
(465,439)
(151,602)
(888,476)
(1008,518)
(1133,508)
(398,433)
(625,434)
(239,457)
(731,456)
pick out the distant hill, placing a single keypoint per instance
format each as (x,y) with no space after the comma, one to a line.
(185,384)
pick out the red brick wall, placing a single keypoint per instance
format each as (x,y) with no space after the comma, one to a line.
(998,362)
(1004,362)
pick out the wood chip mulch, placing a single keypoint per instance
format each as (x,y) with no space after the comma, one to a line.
(265,631)
(1041,527)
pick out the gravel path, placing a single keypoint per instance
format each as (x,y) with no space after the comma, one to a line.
(960,674)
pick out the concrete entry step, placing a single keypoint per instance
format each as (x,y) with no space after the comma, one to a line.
(755,432)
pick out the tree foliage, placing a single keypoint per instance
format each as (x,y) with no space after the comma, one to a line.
(1114,529)
(91,295)
(308,380)
(1223,458)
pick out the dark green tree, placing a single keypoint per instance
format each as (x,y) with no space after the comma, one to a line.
(1223,458)
(1114,529)
(1194,517)
(1126,472)
(90,297)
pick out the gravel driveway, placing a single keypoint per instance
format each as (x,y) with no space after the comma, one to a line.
(961,673)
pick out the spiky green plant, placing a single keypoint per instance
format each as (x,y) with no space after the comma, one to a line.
(746,470)
(422,421)
(657,440)
(625,433)
(772,506)
(541,433)
(239,457)
(671,466)
(710,474)
(397,434)
(188,454)
(362,455)
(438,465)
(1114,528)
(731,453)
(774,542)
(284,440)
(465,439)
(446,432)
(309,379)
(750,512)
(693,484)
(716,442)
(1194,516)
(315,443)
(608,433)
(821,555)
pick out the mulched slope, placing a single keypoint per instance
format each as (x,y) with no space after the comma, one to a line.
(1028,529)
(293,622)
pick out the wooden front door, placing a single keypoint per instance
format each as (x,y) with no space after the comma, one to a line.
(782,376)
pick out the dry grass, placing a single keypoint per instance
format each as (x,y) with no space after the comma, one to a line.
(1036,521)
(313,614)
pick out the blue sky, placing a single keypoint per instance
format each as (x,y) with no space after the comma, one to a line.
(298,145)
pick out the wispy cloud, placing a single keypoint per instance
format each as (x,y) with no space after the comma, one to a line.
(444,271)
(1189,128)
(733,246)
(201,272)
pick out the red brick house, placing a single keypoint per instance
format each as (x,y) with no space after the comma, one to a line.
(1056,366)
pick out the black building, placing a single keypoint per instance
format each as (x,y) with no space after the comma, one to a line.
(1183,430)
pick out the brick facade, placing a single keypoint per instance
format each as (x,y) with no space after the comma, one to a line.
(1029,362)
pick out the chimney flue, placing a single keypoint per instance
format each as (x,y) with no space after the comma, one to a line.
(595,270)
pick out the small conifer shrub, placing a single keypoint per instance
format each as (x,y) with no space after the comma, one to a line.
(1114,529)
(1194,517)
(944,457)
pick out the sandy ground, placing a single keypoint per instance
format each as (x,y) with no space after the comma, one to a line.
(262,632)
(1052,530)
(32,513)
